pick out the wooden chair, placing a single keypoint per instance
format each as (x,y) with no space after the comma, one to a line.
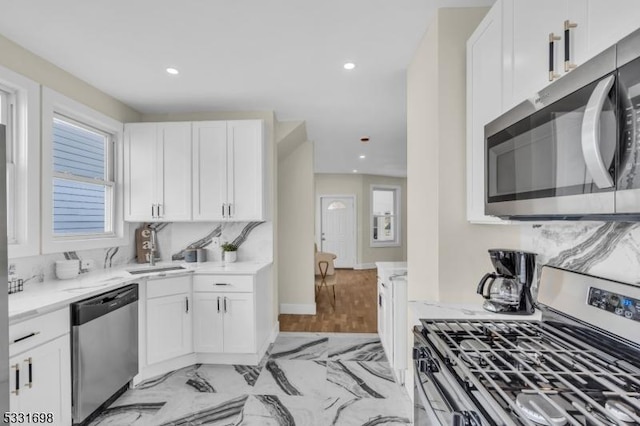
(325,275)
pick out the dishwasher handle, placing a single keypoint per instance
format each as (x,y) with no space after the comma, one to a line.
(89,309)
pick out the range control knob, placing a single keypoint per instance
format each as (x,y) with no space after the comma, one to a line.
(628,314)
(619,311)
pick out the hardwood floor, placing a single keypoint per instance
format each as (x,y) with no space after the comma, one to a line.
(355,311)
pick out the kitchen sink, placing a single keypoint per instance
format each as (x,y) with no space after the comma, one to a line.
(151,270)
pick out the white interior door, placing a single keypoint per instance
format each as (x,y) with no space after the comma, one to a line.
(338,229)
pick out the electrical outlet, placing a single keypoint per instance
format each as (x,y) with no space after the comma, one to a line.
(215,242)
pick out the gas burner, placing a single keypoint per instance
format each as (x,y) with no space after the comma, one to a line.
(473,349)
(534,405)
(531,351)
(620,411)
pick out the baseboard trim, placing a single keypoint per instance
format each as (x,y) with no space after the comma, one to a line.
(298,308)
(365,266)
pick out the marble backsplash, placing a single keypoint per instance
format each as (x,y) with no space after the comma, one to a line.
(606,249)
(255,241)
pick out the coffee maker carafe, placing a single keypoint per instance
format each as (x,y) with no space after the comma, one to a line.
(508,290)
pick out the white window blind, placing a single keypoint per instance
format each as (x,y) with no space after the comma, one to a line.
(82,179)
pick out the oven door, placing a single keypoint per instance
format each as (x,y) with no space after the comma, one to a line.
(559,160)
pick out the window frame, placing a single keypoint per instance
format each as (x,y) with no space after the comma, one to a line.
(55,105)
(397,196)
(25,135)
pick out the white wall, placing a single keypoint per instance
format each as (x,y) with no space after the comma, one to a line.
(447,256)
(296,230)
(360,186)
(41,71)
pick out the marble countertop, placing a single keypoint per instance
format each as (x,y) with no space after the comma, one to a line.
(50,295)
(391,271)
(421,309)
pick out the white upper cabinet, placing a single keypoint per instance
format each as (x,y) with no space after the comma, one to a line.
(529,27)
(228,170)
(484,103)
(206,171)
(245,172)
(600,24)
(209,170)
(157,172)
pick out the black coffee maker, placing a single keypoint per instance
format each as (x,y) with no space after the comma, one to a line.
(508,290)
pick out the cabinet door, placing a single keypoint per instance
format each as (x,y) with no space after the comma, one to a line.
(175,171)
(48,388)
(484,103)
(245,170)
(208,319)
(209,165)
(140,171)
(608,22)
(168,327)
(527,28)
(239,323)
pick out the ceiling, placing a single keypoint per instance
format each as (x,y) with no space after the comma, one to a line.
(247,55)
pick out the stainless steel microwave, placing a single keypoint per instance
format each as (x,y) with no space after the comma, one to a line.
(573,150)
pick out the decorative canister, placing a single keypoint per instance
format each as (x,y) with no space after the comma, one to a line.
(202,255)
(190,255)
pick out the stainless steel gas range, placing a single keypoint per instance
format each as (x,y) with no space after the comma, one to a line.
(579,365)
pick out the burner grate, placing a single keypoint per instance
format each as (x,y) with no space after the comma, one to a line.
(498,360)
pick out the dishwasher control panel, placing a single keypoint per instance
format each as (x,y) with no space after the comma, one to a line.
(615,303)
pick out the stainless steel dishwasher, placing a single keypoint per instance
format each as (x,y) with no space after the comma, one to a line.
(104,349)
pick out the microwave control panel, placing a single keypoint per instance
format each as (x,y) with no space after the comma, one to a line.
(617,304)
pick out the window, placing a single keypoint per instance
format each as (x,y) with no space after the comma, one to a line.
(20,113)
(385,216)
(7,114)
(82,179)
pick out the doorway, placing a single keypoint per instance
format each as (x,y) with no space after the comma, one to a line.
(337,228)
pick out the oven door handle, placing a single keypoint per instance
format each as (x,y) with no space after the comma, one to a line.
(591,134)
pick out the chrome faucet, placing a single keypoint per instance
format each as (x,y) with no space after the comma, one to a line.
(153,242)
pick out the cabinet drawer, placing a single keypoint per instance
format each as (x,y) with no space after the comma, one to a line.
(168,286)
(33,332)
(220,283)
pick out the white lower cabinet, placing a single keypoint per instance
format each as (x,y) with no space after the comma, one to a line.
(224,322)
(40,368)
(168,318)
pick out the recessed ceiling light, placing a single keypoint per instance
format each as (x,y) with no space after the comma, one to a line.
(172,71)
(355,171)
(349,66)
(362,157)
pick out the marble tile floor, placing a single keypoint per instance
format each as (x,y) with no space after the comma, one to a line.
(305,379)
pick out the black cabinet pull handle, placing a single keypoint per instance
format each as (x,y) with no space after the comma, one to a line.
(20,339)
(225,305)
(223,210)
(568,26)
(229,210)
(17,389)
(30,361)
(552,69)
(186,301)
(218,304)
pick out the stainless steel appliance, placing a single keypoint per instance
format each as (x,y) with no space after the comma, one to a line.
(573,150)
(579,365)
(104,356)
(4,307)
(508,290)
